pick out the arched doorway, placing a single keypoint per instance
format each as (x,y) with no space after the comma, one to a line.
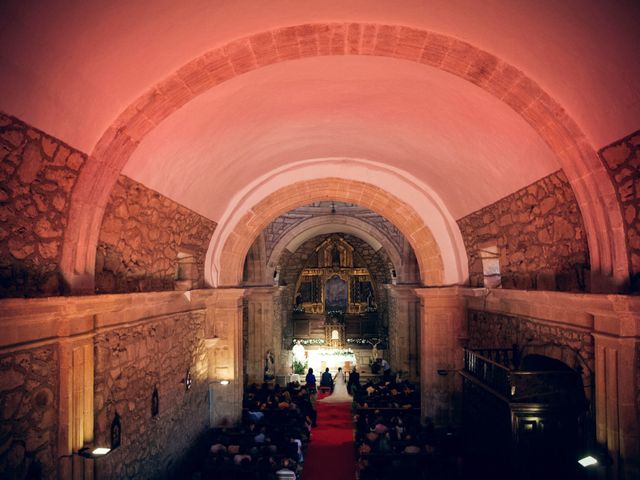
(523,417)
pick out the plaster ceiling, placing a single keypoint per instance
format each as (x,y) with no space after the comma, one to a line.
(438,128)
(70,67)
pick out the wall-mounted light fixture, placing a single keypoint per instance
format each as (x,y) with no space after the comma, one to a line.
(224,382)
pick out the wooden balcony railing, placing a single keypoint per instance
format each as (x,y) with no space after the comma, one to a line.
(496,369)
(491,373)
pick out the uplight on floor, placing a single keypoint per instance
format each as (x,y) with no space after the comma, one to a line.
(588,461)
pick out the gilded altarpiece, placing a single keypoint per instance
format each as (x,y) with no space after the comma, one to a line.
(335,285)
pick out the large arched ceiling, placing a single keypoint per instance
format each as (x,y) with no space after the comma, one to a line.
(441,129)
(69,68)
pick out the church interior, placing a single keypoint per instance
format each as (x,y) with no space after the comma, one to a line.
(199,196)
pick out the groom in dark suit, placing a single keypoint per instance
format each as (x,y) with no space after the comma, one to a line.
(327,379)
(354,381)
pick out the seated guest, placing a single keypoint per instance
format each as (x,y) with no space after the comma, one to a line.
(255,416)
(411,449)
(260,437)
(240,458)
(311,382)
(306,407)
(218,447)
(386,371)
(371,436)
(380,428)
(326,380)
(383,445)
(364,448)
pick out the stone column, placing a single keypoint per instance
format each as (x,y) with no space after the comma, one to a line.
(617,377)
(281,313)
(404,330)
(443,333)
(224,312)
(263,330)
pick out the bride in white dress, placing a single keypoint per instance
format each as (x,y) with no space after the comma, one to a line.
(340,393)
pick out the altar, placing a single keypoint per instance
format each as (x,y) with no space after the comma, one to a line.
(331,358)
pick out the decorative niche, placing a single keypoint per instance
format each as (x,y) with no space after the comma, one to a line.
(155,402)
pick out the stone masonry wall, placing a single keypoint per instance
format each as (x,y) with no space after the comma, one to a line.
(129,362)
(622,160)
(572,346)
(29,413)
(540,236)
(141,235)
(37,174)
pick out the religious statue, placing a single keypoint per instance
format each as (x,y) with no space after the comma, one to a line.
(371,304)
(374,351)
(298,303)
(269,366)
(298,351)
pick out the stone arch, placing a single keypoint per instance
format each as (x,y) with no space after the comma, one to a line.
(357,227)
(570,357)
(237,243)
(585,171)
(401,190)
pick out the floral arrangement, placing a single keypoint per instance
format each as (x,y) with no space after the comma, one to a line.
(364,341)
(346,352)
(309,341)
(299,367)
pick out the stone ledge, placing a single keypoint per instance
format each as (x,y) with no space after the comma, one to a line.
(617,315)
(32,320)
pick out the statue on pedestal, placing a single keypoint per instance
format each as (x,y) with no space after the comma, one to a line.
(269,366)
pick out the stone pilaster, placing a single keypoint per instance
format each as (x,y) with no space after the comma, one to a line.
(264,330)
(224,310)
(443,333)
(617,347)
(76,408)
(404,330)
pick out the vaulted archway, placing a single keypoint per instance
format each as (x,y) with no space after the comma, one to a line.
(587,175)
(233,249)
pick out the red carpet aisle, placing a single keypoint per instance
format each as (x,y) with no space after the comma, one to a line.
(330,453)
